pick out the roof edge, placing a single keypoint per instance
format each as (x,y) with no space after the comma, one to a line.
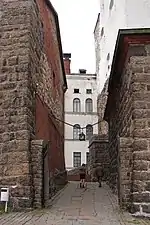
(98,17)
(122,33)
(49,4)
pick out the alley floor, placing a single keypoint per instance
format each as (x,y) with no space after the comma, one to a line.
(75,206)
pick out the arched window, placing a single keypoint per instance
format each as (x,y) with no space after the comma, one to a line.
(76,131)
(89,131)
(76,105)
(89,105)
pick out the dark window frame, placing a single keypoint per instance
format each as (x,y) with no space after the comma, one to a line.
(76,105)
(76,159)
(76,91)
(88,91)
(76,131)
(88,105)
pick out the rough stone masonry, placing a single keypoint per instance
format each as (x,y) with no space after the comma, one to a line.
(22,78)
(128,115)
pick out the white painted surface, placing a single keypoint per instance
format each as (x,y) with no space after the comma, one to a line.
(81,82)
(125,14)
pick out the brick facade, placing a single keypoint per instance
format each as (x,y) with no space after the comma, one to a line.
(32,85)
(127,113)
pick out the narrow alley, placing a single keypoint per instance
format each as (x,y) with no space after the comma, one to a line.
(75,206)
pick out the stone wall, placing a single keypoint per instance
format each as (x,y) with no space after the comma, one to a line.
(38,148)
(121,126)
(127,113)
(99,143)
(26,73)
(15,112)
(98,154)
(101,104)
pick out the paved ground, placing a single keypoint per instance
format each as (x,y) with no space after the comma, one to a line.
(75,206)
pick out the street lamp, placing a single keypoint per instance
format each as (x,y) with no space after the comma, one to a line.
(82,136)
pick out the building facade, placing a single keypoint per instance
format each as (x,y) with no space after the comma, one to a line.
(32,87)
(80,112)
(115,15)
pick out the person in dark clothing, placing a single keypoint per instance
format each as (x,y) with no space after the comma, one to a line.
(98,173)
(82,175)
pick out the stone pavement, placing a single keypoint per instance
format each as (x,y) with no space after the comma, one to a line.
(75,206)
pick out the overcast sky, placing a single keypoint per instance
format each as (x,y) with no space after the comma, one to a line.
(77,19)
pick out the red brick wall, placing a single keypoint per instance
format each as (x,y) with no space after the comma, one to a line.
(51,43)
(47,129)
(67,66)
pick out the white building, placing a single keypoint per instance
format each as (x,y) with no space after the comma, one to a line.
(115,15)
(80,112)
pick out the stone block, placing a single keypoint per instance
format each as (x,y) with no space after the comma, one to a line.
(147,188)
(17,169)
(23,135)
(141,114)
(140,144)
(141,155)
(140,123)
(140,176)
(126,142)
(135,208)
(141,197)
(139,86)
(142,79)
(146,208)
(139,60)
(141,165)
(142,133)
(144,96)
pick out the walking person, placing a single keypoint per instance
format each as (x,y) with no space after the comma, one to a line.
(82,175)
(98,173)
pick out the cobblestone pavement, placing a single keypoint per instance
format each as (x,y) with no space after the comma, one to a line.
(75,206)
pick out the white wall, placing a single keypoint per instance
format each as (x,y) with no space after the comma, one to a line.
(124,14)
(81,82)
(75,146)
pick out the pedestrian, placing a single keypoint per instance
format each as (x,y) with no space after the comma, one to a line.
(98,173)
(82,175)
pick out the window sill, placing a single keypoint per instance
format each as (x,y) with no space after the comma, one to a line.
(82,113)
(67,139)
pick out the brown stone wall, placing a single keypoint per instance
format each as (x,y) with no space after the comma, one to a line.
(141,132)
(101,104)
(25,73)
(120,125)
(15,111)
(37,147)
(98,153)
(129,131)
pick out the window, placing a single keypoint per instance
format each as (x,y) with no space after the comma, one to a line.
(89,131)
(76,90)
(76,105)
(108,56)
(87,157)
(76,131)
(89,105)
(77,159)
(111,4)
(102,31)
(89,91)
